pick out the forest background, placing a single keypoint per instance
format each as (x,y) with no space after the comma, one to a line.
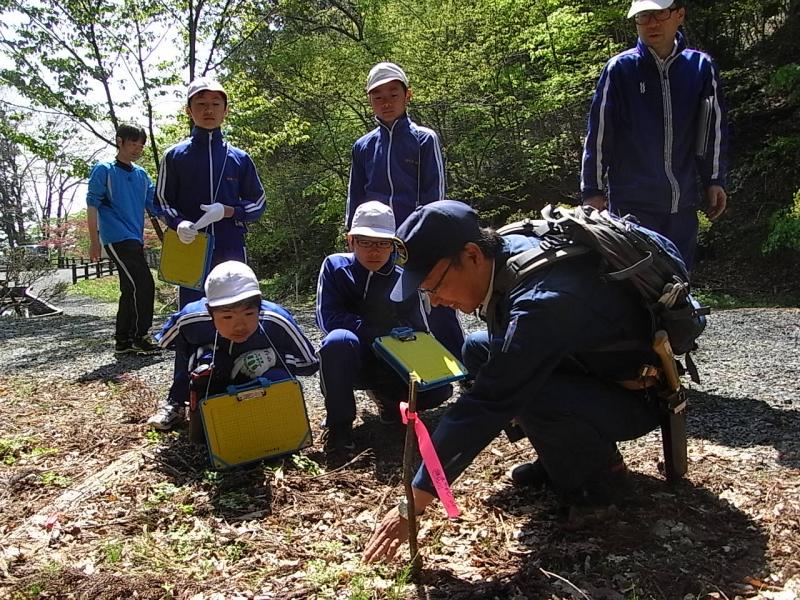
(506,84)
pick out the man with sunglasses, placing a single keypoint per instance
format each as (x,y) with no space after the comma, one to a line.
(353,308)
(657,128)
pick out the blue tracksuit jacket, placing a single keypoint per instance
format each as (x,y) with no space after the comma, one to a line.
(401,166)
(204,169)
(192,329)
(352,297)
(120,193)
(646,119)
(562,313)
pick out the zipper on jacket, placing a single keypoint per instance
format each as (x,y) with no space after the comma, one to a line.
(666,99)
(389,164)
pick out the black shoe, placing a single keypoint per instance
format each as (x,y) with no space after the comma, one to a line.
(530,475)
(338,438)
(604,489)
(123,347)
(388,411)
(144,347)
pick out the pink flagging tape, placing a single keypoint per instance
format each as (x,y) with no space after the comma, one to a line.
(431,461)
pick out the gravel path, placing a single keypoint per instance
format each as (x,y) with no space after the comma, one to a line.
(747,354)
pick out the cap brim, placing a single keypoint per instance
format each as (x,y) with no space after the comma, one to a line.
(369,232)
(406,285)
(232,299)
(385,80)
(643,6)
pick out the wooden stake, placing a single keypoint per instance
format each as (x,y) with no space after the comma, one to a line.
(408,458)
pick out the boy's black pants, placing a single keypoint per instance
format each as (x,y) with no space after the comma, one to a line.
(135,312)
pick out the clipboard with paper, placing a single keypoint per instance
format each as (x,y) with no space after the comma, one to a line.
(185,265)
(408,351)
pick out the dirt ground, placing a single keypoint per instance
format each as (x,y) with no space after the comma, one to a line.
(94,506)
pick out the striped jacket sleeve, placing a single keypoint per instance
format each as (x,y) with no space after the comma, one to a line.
(599,136)
(713,165)
(252,195)
(432,177)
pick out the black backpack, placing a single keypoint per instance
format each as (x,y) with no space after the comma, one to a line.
(646,260)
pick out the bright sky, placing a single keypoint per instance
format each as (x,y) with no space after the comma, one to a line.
(166,106)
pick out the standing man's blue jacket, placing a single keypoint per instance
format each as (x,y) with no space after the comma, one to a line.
(192,328)
(121,193)
(401,166)
(646,118)
(352,297)
(204,169)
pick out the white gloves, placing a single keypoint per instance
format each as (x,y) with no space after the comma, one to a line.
(214,212)
(186,232)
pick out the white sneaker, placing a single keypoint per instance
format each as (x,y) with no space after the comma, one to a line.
(167,416)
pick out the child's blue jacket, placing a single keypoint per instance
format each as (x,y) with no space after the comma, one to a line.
(401,166)
(204,169)
(192,329)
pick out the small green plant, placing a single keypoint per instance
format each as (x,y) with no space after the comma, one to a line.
(397,591)
(235,551)
(162,492)
(34,590)
(306,465)
(784,228)
(113,552)
(234,500)
(212,477)
(40,451)
(187,509)
(53,478)
(152,436)
(13,448)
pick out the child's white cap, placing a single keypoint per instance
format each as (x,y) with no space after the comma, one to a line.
(205,84)
(384,72)
(373,219)
(229,283)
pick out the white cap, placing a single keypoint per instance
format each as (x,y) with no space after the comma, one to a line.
(638,6)
(230,282)
(373,219)
(205,84)
(384,72)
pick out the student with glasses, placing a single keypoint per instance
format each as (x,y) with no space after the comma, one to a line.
(657,128)
(353,308)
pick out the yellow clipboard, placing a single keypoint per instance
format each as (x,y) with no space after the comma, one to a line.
(182,264)
(256,420)
(415,351)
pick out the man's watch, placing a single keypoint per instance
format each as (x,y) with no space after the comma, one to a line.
(402,508)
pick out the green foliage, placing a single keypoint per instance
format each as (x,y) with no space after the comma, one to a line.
(784,228)
(786,79)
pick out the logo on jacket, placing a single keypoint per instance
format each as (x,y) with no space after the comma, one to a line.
(641,87)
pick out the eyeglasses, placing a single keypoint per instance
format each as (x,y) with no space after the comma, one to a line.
(643,18)
(369,244)
(434,289)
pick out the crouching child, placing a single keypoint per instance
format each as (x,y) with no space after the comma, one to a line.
(238,332)
(353,308)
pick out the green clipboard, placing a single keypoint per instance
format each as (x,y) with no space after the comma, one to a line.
(182,264)
(410,351)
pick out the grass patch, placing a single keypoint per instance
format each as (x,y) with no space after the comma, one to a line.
(106,289)
(724,301)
